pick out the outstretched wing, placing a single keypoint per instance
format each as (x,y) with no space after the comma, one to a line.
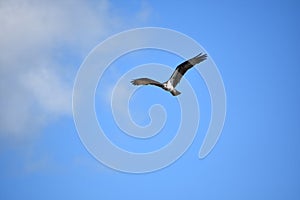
(146,81)
(183,67)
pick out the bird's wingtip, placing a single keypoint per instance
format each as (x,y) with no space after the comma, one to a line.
(202,55)
(133,82)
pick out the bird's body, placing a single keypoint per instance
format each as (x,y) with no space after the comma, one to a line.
(169,87)
(175,78)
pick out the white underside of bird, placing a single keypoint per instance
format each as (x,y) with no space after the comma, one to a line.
(168,86)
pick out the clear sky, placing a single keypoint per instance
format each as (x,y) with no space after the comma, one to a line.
(255,45)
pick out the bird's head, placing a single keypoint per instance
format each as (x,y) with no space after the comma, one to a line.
(167,86)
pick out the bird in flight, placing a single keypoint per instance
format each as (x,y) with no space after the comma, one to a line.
(170,84)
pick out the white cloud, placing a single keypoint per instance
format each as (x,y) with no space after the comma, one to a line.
(49,92)
(38,41)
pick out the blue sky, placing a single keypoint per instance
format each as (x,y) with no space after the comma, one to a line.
(255,45)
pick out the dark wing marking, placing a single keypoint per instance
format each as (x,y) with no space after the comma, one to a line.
(183,67)
(146,81)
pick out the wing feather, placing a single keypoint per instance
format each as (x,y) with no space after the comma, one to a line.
(183,67)
(146,81)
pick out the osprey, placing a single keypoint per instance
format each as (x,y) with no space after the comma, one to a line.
(170,84)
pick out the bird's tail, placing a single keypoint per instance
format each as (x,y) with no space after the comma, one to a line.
(175,92)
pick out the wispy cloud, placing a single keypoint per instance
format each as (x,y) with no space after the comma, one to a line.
(39,44)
